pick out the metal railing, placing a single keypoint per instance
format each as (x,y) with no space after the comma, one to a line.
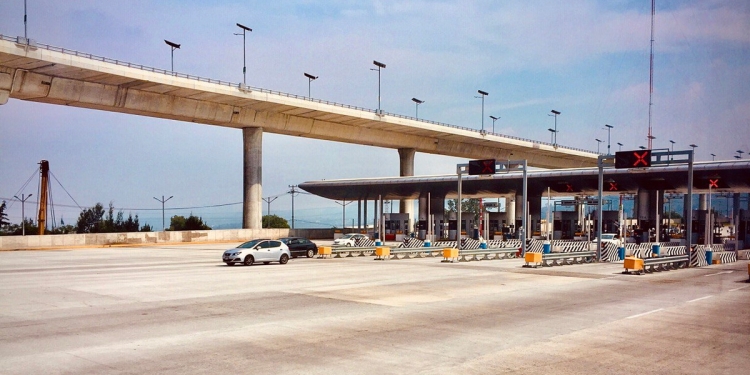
(267,91)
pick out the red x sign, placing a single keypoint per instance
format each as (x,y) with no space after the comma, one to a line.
(568,187)
(641,158)
(613,186)
(713,183)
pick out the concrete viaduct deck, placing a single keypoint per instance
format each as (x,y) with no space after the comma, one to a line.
(53,75)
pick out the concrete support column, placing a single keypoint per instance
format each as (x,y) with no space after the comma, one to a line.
(535,211)
(703,202)
(406,168)
(252,172)
(518,217)
(510,211)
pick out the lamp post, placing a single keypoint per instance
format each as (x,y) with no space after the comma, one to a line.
(162,200)
(23,200)
(417,102)
(268,201)
(693,145)
(494,118)
(740,152)
(642,147)
(555,114)
(293,192)
(174,47)
(552,135)
(620,144)
(310,78)
(482,94)
(380,65)
(609,130)
(598,142)
(25,36)
(713,157)
(244,64)
(650,141)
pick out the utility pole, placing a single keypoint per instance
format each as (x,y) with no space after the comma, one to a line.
(343,212)
(269,200)
(23,210)
(293,192)
(162,200)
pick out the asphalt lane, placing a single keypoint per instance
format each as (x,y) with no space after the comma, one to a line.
(179,310)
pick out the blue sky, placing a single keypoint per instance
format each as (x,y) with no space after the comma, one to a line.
(587,59)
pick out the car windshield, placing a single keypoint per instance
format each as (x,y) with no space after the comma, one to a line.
(248,244)
(348,236)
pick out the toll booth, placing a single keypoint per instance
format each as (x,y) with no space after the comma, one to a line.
(396,226)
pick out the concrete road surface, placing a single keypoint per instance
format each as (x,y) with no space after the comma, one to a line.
(179,310)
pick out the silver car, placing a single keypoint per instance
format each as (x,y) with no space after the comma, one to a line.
(261,250)
(349,239)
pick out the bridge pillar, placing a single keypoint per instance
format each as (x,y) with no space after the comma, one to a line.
(406,167)
(252,172)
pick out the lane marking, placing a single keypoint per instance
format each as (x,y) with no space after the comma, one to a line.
(736,289)
(698,299)
(642,314)
(718,273)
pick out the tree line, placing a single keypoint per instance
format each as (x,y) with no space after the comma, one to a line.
(97,219)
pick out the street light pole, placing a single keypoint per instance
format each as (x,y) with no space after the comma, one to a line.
(609,130)
(162,200)
(482,94)
(244,63)
(380,65)
(555,113)
(620,144)
(598,142)
(494,118)
(174,47)
(25,35)
(693,145)
(417,102)
(713,157)
(740,152)
(23,204)
(310,78)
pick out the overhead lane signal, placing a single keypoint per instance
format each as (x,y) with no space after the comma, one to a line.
(633,159)
(481,167)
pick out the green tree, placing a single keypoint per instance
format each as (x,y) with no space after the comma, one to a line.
(468,206)
(273,221)
(3,215)
(90,220)
(192,222)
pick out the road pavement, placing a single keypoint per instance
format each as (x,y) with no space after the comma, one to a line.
(179,310)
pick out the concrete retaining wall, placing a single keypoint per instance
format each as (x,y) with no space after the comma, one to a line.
(137,238)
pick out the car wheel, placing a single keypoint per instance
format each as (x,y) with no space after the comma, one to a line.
(348,244)
(284,259)
(310,253)
(230,263)
(249,260)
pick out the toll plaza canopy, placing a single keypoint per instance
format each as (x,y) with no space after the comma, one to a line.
(729,176)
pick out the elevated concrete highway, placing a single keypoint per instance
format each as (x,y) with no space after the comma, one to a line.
(53,75)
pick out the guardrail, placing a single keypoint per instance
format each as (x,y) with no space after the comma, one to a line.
(239,85)
(533,260)
(665,263)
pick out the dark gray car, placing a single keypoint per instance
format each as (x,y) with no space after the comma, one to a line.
(299,246)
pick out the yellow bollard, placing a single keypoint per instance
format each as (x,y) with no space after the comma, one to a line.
(450,254)
(382,252)
(324,251)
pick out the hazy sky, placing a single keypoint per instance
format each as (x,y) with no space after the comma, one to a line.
(587,59)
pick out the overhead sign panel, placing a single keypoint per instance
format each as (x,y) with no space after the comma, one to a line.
(633,159)
(480,167)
